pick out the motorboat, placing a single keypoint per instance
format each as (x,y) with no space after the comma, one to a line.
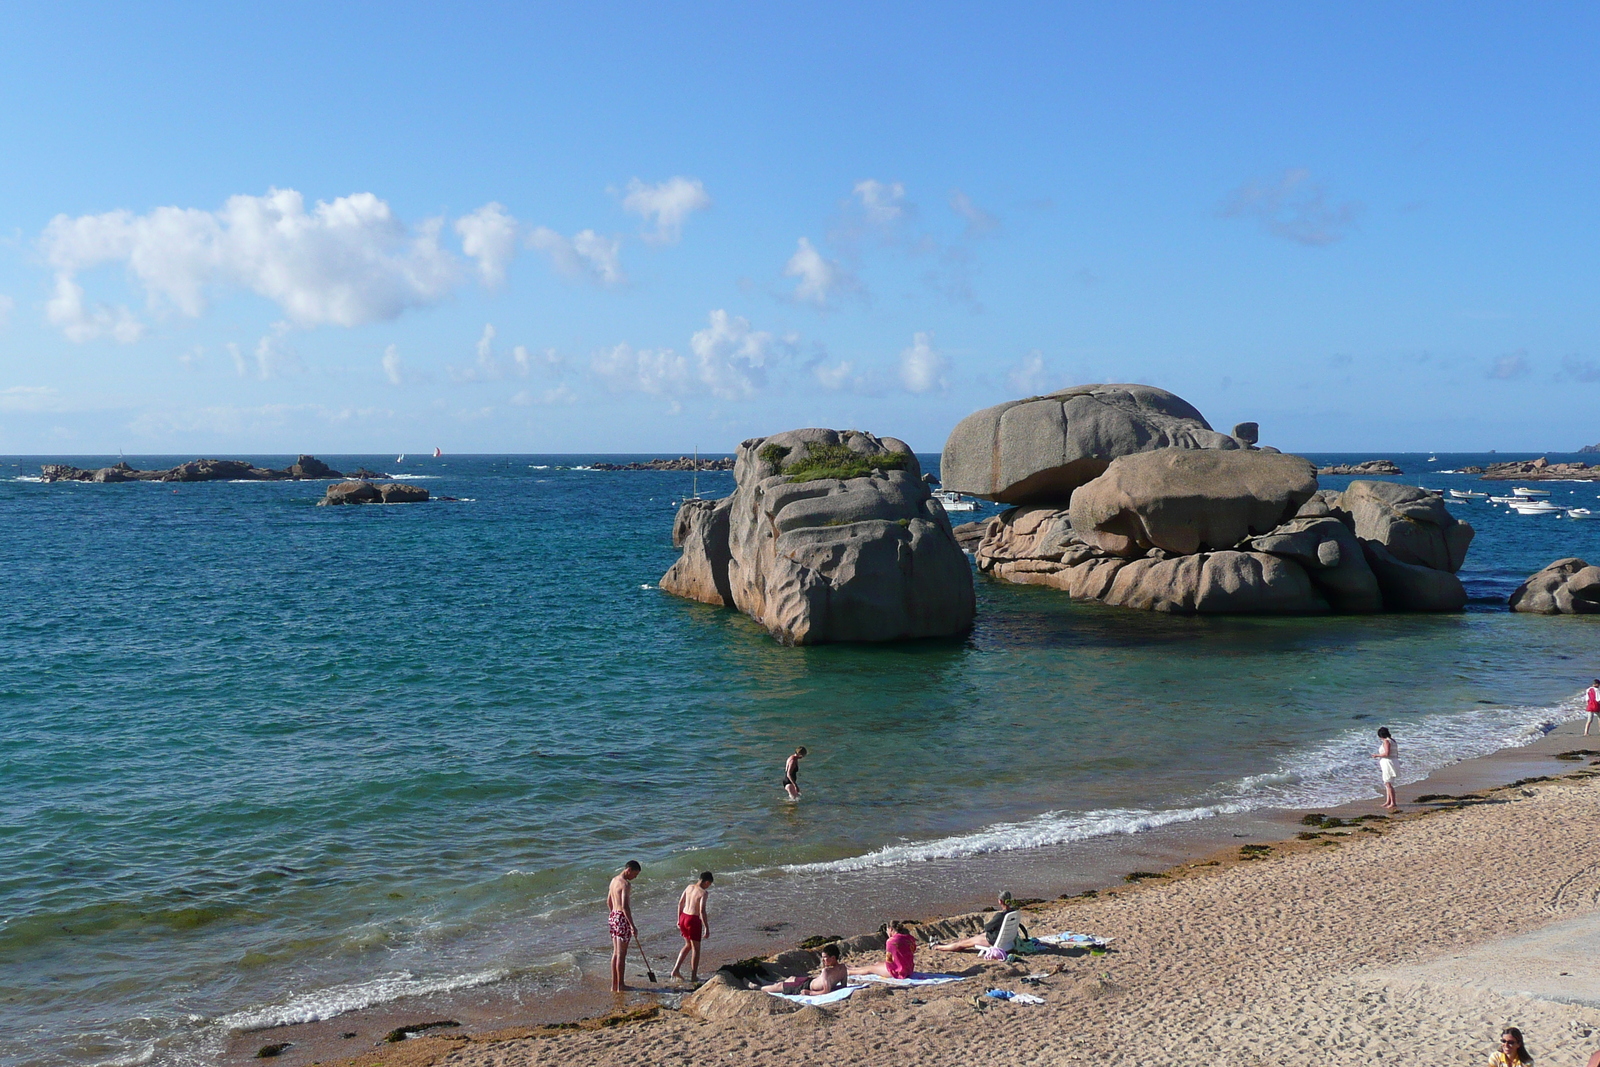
(1507,499)
(1536,507)
(1582,513)
(953,501)
(1468,494)
(1522,490)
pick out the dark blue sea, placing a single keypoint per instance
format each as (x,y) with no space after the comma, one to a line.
(266,762)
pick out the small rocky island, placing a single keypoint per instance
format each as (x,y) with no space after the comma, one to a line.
(682,463)
(1566,587)
(1367,468)
(200,470)
(364,492)
(1541,470)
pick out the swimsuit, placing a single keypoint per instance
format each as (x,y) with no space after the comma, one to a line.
(791,773)
(689,926)
(621,928)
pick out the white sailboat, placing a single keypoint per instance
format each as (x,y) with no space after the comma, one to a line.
(401,458)
(436,452)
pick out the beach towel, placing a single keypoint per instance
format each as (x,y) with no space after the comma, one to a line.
(1070,939)
(917,978)
(1015,998)
(821,998)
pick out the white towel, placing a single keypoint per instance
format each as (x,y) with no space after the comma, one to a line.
(820,998)
(917,978)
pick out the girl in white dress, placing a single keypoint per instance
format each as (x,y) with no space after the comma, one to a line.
(1387,753)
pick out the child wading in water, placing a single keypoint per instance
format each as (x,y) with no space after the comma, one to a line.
(694,923)
(791,773)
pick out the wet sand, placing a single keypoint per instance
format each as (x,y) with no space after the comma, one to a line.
(1035,874)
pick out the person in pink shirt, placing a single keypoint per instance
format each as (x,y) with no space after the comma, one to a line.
(900,954)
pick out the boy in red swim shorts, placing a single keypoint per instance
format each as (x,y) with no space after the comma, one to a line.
(694,923)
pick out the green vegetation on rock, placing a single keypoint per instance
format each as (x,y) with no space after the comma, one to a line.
(839,461)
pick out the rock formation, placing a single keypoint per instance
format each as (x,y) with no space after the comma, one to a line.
(363,492)
(682,463)
(828,536)
(1566,587)
(1541,470)
(1366,468)
(196,470)
(1042,448)
(1206,525)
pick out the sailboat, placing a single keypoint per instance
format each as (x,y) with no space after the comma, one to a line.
(436,452)
(401,458)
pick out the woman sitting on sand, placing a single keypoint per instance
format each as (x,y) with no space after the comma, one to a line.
(991,930)
(900,951)
(1511,1051)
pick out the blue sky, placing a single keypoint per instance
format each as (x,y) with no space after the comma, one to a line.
(350,228)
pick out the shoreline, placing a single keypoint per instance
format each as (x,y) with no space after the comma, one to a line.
(1098,865)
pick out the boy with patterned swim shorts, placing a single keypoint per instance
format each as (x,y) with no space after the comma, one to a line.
(619,920)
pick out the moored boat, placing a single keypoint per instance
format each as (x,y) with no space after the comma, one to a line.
(1522,490)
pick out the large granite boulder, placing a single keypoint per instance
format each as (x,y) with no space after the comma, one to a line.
(1412,523)
(1566,587)
(1332,557)
(1042,448)
(1189,500)
(701,573)
(1038,546)
(830,536)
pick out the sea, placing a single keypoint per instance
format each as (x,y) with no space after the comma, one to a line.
(263,762)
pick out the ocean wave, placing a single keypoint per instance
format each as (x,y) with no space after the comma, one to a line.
(27,478)
(1333,772)
(327,1003)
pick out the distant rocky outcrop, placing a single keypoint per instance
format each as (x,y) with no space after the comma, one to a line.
(828,536)
(1042,448)
(682,463)
(1566,587)
(196,470)
(1586,449)
(1541,470)
(1366,468)
(364,492)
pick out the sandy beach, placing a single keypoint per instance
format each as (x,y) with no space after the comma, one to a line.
(1409,939)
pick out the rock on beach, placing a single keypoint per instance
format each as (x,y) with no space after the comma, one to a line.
(829,536)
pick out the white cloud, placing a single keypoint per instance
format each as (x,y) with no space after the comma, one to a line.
(6,304)
(584,255)
(883,205)
(546,360)
(732,358)
(485,367)
(837,376)
(561,394)
(346,262)
(1511,365)
(979,222)
(1294,208)
(668,204)
(392,365)
(819,277)
(921,366)
(29,398)
(65,309)
(656,372)
(192,358)
(1030,377)
(269,359)
(489,235)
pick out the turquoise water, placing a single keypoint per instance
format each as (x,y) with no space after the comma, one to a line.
(265,761)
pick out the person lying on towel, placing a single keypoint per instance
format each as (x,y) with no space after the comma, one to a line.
(832,976)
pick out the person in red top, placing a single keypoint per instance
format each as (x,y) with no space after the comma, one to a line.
(1592,700)
(900,952)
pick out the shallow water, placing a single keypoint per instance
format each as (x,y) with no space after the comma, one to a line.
(267,762)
